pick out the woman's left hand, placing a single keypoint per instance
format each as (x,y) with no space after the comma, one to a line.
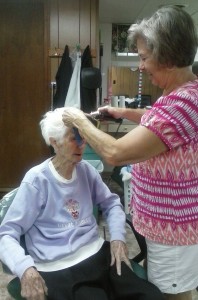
(119,253)
(71,115)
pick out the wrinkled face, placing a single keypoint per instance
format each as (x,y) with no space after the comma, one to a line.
(69,148)
(156,72)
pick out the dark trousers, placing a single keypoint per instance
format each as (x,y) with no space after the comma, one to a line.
(94,279)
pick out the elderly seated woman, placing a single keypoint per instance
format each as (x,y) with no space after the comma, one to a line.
(53,209)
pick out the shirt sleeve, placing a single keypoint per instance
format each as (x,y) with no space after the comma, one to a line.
(173,120)
(18,219)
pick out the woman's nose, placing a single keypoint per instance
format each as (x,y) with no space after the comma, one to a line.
(141,65)
(82,144)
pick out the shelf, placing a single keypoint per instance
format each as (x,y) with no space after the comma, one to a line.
(58,52)
(126,54)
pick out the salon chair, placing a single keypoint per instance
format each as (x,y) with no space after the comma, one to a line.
(14,286)
(118,178)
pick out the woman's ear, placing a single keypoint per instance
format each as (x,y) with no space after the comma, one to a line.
(53,143)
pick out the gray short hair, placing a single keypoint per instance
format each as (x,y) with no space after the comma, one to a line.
(52,125)
(170,34)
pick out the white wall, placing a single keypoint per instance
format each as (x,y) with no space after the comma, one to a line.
(105,39)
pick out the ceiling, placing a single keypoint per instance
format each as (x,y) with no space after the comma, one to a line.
(128,11)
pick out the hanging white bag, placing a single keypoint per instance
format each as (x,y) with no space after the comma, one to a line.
(73,94)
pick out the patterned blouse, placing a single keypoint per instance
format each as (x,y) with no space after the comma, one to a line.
(165,188)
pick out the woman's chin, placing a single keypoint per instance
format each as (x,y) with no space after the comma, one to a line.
(153,81)
(78,157)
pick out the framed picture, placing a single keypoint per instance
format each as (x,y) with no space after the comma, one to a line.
(119,37)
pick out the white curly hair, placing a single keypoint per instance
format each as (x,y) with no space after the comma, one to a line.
(52,125)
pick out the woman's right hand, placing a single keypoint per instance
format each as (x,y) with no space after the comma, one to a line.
(115,112)
(33,285)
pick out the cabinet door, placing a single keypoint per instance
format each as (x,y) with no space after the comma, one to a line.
(24,91)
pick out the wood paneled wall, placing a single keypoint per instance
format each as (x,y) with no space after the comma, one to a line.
(73,22)
(28,29)
(23,87)
(124,81)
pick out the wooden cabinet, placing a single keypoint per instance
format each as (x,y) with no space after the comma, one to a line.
(73,22)
(23,87)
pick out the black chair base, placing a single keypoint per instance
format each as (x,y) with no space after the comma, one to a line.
(140,240)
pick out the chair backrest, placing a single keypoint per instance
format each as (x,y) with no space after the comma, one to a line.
(5,203)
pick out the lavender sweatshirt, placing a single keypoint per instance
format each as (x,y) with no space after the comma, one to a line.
(56,216)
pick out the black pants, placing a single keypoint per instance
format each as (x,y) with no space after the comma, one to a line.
(94,279)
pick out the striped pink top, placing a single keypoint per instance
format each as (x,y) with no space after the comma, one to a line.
(165,188)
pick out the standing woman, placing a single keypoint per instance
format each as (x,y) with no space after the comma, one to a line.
(163,150)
